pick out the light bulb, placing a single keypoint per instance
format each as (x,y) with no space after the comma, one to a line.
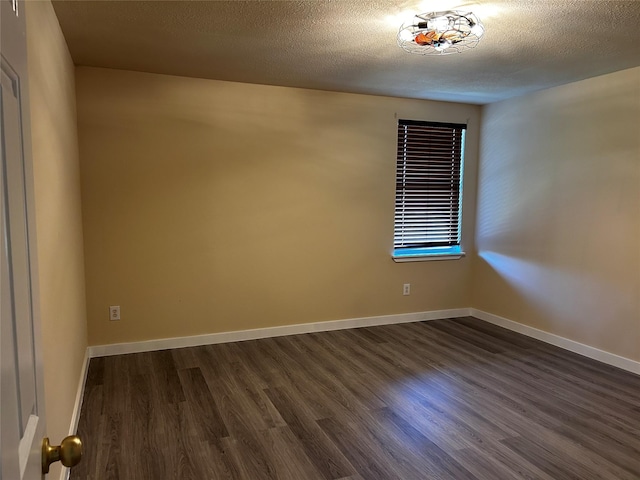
(442,45)
(477,30)
(439,24)
(405,35)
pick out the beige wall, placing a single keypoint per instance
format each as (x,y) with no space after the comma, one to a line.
(58,217)
(212,206)
(558,223)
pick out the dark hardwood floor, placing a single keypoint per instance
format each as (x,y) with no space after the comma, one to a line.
(448,399)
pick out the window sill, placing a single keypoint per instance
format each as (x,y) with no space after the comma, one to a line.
(427,254)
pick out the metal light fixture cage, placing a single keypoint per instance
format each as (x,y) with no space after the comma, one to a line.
(440,33)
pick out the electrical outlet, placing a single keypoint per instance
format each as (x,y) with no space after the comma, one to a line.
(114,312)
(406,289)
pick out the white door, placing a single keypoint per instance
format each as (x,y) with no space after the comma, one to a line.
(21,388)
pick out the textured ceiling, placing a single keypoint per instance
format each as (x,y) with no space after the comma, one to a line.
(350,45)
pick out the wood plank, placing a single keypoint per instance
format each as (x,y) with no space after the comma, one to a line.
(325,456)
(203,411)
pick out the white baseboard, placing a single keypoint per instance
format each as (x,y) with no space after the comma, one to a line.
(571,345)
(77,406)
(75,418)
(240,335)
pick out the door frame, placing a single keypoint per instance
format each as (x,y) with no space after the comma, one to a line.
(13,49)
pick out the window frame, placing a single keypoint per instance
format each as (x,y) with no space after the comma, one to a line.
(426,251)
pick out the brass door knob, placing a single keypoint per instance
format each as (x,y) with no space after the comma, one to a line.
(69,452)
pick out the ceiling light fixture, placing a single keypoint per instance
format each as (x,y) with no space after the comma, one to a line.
(440,33)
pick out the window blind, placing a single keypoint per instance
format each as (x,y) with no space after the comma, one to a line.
(428,181)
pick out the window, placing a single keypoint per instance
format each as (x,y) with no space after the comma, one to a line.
(428,209)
